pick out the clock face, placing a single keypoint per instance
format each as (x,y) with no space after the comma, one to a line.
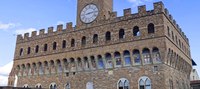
(89,13)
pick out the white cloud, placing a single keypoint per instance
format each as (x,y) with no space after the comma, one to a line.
(22,31)
(139,2)
(6,26)
(4,73)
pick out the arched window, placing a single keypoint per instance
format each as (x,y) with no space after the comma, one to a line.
(59,66)
(64,44)
(118,59)
(79,63)
(171,85)
(18,70)
(66,64)
(168,56)
(151,28)
(100,62)
(28,68)
(136,31)
(52,66)
(172,35)
(146,56)
(168,31)
(34,71)
(23,70)
(93,61)
(136,56)
(108,36)
(83,41)
(73,65)
(109,63)
(46,66)
(37,49)
(72,43)
(21,52)
(45,47)
(38,86)
(86,63)
(144,83)
(40,68)
(156,55)
(123,84)
(25,86)
(54,45)
(127,58)
(29,50)
(95,38)
(67,86)
(53,86)
(89,85)
(121,34)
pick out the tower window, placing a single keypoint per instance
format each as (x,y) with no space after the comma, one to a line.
(136,31)
(144,83)
(121,34)
(83,41)
(45,47)
(21,52)
(54,46)
(95,38)
(136,56)
(37,49)
(72,43)
(123,84)
(151,28)
(29,50)
(64,44)
(127,58)
(146,56)
(108,36)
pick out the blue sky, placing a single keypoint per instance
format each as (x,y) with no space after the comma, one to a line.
(19,16)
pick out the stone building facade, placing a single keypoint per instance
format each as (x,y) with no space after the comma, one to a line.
(144,50)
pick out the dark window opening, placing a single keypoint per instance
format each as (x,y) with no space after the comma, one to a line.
(95,38)
(151,28)
(83,41)
(108,36)
(37,49)
(121,34)
(136,31)
(21,52)
(45,47)
(54,46)
(64,44)
(72,43)
(29,50)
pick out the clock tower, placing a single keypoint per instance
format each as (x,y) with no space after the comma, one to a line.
(90,11)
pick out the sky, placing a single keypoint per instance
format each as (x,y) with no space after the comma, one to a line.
(20,16)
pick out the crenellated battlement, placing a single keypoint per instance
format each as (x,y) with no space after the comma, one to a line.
(50,30)
(159,8)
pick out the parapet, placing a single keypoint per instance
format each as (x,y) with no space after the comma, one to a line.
(159,8)
(50,31)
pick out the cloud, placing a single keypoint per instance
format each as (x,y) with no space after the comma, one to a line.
(4,73)
(6,26)
(138,2)
(22,31)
